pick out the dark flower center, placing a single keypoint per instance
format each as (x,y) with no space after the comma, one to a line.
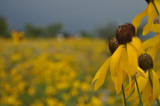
(113,45)
(145,62)
(124,33)
(148,1)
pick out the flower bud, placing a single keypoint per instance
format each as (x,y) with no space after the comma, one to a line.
(113,44)
(145,62)
(124,33)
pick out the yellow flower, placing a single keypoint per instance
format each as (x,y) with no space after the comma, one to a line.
(152,45)
(155,27)
(152,15)
(123,61)
(17,37)
(149,86)
(149,93)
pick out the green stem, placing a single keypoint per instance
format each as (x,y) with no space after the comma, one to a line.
(150,80)
(140,99)
(125,103)
(158,102)
(155,7)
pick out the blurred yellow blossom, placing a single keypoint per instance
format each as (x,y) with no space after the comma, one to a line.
(46,72)
(18,37)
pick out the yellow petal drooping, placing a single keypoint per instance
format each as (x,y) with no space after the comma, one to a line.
(141,72)
(151,42)
(152,15)
(158,6)
(115,60)
(129,87)
(158,44)
(132,59)
(156,85)
(153,51)
(147,94)
(118,80)
(124,61)
(155,28)
(101,74)
(137,19)
(142,82)
(136,42)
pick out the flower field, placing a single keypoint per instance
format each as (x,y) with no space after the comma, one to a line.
(51,72)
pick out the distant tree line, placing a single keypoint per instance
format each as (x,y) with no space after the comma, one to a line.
(49,31)
(31,30)
(3,27)
(105,32)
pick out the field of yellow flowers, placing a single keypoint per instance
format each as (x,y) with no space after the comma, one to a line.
(52,72)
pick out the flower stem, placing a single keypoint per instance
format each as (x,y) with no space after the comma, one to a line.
(125,104)
(150,80)
(140,99)
(155,7)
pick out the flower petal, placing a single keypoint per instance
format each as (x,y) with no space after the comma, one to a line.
(115,60)
(138,18)
(124,61)
(155,28)
(151,42)
(118,80)
(129,87)
(158,6)
(147,93)
(156,85)
(101,74)
(132,59)
(153,51)
(152,15)
(142,82)
(141,72)
(136,42)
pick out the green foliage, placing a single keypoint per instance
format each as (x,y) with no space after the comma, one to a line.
(108,31)
(49,31)
(87,34)
(33,31)
(54,29)
(3,27)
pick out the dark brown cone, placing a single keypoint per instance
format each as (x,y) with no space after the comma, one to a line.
(145,62)
(148,1)
(113,45)
(132,28)
(156,21)
(124,33)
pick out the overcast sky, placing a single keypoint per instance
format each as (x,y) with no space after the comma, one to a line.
(75,15)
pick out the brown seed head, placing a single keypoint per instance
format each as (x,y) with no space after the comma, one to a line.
(148,1)
(124,33)
(156,21)
(132,28)
(145,62)
(113,44)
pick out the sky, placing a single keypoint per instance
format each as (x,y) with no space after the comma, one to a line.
(75,15)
